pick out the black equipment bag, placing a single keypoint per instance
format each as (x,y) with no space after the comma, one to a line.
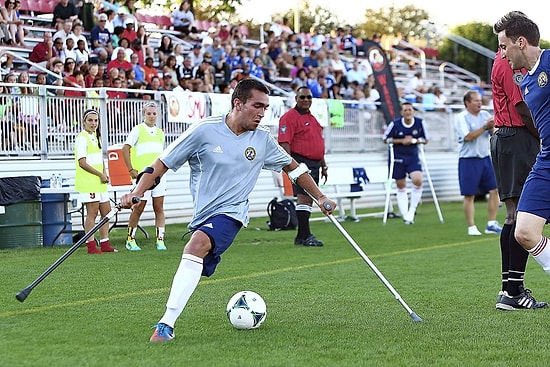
(282,215)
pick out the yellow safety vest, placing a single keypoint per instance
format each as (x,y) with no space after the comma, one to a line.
(85,181)
(148,147)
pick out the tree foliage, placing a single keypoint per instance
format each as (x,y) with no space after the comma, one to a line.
(409,21)
(318,17)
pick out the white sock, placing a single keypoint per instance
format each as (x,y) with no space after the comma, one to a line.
(416,195)
(185,281)
(541,253)
(402,201)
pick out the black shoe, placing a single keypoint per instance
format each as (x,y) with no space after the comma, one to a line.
(522,301)
(309,241)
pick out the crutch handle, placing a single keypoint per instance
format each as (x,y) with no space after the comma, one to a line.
(327,206)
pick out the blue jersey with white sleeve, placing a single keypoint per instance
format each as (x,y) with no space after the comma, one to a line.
(536,91)
(224,166)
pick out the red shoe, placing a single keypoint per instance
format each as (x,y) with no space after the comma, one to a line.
(92,248)
(106,247)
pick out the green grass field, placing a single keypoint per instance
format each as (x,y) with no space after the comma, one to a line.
(325,305)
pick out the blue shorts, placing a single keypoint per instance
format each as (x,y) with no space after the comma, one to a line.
(535,197)
(222,231)
(405,165)
(476,176)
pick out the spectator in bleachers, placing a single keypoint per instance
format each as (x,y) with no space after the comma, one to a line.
(218,59)
(120,61)
(73,80)
(223,31)
(317,39)
(338,68)
(440,98)
(109,5)
(42,52)
(15,24)
(236,39)
(293,46)
(116,94)
(357,73)
(109,24)
(130,7)
(196,54)
(69,66)
(268,64)
(322,58)
(5,35)
(130,77)
(150,70)
(298,64)
(56,67)
(91,75)
(209,38)
(129,31)
(348,42)
(116,37)
(165,49)
(283,67)
(70,49)
(101,39)
(232,58)
(279,27)
(256,69)
(171,68)
(139,72)
(137,49)
(82,56)
(59,47)
(122,15)
(203,78)
(155,84)
(183,85)
(275,48)
(168,82)
(185,70)
(76,34)
(63,10)
(65,31)
(179,53)
(144,38)
(182,18)
(311,60)
(313,84)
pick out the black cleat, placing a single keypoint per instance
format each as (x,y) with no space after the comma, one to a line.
(309,241)
(523,301)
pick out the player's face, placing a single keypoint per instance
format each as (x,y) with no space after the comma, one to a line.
(252,112)
(511,51)
(150,116)
(407,111)
(91,122)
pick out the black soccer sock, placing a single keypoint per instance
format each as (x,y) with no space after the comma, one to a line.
(505,253)
(303,223)
(518,263)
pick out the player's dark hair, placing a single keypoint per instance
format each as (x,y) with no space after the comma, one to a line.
(516,24)
(243,90)
(87,113)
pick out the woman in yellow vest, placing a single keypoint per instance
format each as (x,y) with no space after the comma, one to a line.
(91,180)
(141,148)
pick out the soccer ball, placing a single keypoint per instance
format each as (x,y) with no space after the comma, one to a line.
(246,310)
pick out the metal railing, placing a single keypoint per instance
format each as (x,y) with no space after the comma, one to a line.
(44,125)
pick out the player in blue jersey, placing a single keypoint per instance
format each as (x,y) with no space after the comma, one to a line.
(405,133)
(225,154)
(518,39)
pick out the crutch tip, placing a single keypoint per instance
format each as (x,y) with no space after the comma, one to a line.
(415,317)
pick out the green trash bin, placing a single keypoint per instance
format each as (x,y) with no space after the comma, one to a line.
(21,225)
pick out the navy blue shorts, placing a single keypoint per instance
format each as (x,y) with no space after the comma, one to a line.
(405,165)
(535,197)
(476,176)
(222,231)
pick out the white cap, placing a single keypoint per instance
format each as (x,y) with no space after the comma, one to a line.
(224,23)
(263,45)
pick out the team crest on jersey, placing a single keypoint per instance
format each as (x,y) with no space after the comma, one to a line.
(250,153)
(518,77)
(415,132)
(542,79)
(283,129)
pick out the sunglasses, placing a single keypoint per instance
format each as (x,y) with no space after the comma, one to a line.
(304,97)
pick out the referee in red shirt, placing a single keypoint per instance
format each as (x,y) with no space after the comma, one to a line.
(301,135)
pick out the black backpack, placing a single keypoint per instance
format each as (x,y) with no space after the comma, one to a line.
(282,215)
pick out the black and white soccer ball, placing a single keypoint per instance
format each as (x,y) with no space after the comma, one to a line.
(246,310)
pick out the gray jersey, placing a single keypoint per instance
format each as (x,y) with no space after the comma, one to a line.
(466,122)
(224,166)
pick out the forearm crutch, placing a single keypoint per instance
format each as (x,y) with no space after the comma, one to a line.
(425,166)
(389,182)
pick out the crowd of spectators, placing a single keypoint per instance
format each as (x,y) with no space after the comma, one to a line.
(217,58)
